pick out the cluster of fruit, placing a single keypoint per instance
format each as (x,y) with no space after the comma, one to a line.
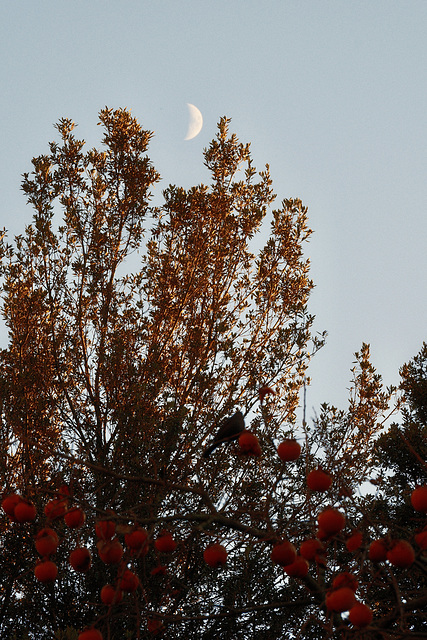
(331,522)
(249,444)
(341,596)
(110,549)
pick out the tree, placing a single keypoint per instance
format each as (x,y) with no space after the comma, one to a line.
(113,383)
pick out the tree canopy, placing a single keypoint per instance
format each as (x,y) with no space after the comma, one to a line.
(134,330)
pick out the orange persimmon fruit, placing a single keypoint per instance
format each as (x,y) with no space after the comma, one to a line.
(419,499)
(80,559)
(215,555)
(340,600)
(401,554)
(360,615)
(165,543)
(111,595)
(331,521)
(249,444)
(318,480)
(45,571)
(110,551)
(74,518)
(377,550)
(298,569)
(289,450)
(137,540)
(46,541)
(283,553)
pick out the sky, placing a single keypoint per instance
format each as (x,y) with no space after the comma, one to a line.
(331,94)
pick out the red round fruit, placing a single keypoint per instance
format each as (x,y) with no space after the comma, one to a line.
(56,508)
(401,554)
(298,569)
(322,535)
(46,571)
(154,626)
(80,559)
(331,521)
(25,511)
(46,541)
(137,540)
(289,450)
(165,543)
(360,615)
(111,595)
(215,555)
(9,503)
(128,581)
(318,480)
(283,553)
(105,529)
(110,551)
(345,579)
(74,518)
(340,599)
(311,549)
(419,498)
(90,634)
(354,542)
(377,551)
(249,444)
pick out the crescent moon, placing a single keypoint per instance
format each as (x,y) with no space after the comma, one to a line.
(195,123)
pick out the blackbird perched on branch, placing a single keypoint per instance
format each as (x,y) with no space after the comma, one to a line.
(228,431)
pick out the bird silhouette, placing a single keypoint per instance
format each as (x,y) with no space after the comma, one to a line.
(229,430)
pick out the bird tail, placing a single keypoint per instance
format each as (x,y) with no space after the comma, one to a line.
(207,452)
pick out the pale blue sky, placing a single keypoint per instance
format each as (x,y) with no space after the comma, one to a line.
(332,94)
